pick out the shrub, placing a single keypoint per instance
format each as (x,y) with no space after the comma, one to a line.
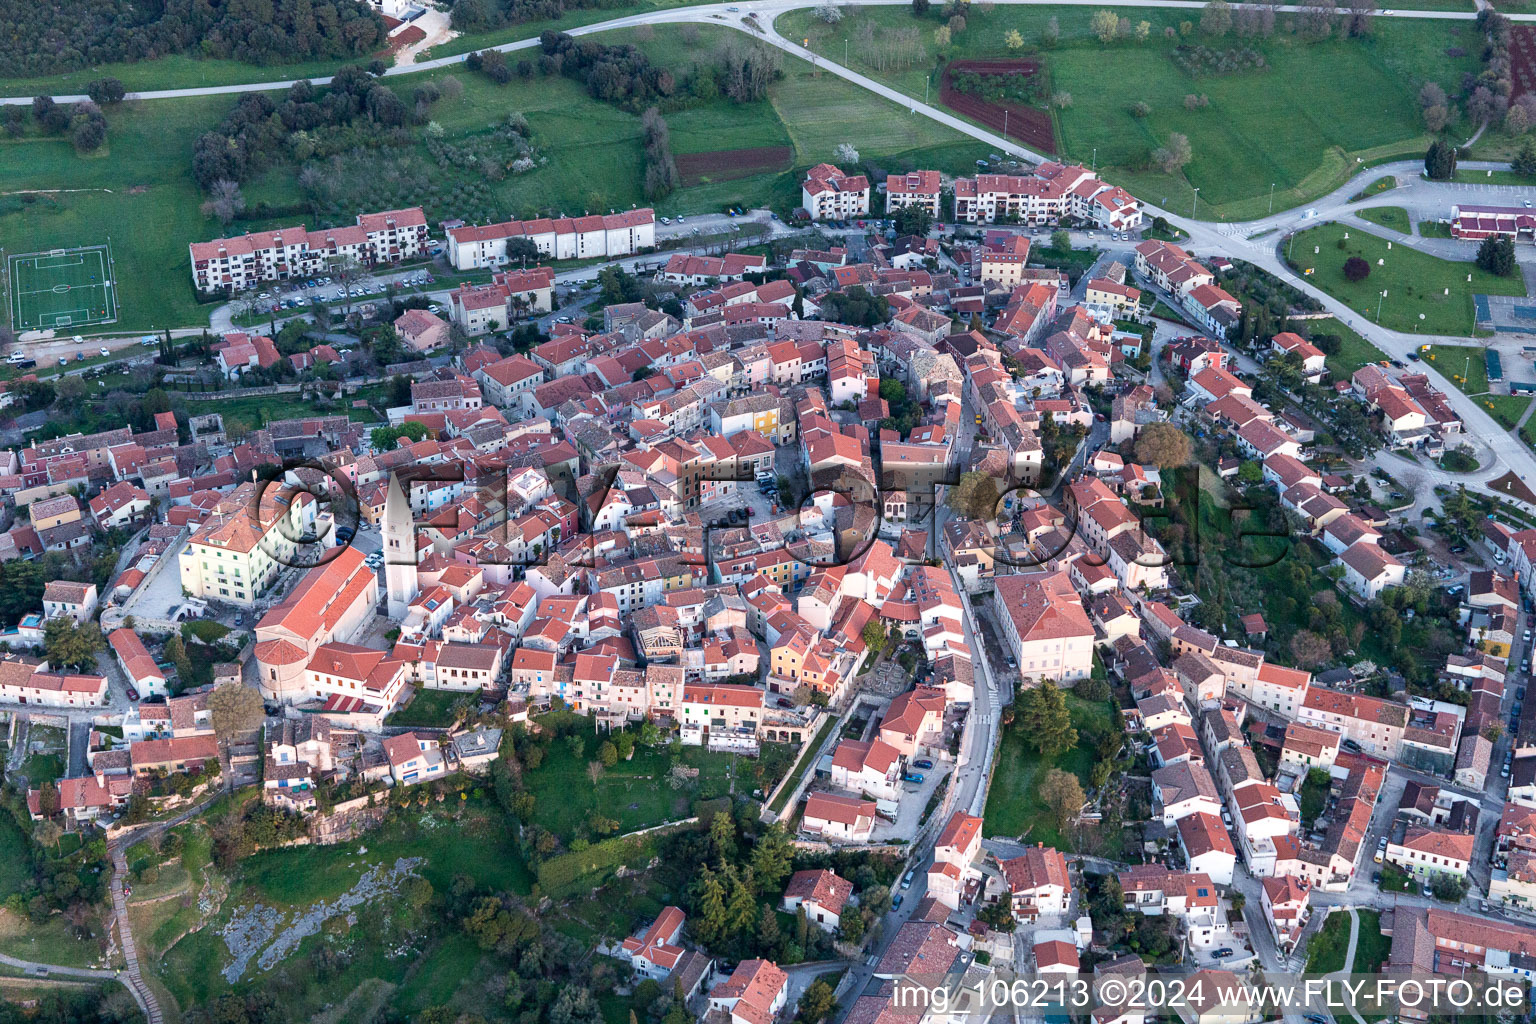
(1356,269)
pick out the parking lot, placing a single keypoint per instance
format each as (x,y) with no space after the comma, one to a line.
(299,294)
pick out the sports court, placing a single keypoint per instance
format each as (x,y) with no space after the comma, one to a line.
(62,288)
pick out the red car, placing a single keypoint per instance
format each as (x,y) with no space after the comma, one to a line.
(133,694)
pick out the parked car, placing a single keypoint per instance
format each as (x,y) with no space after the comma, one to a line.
(923,763)
(133,694)
(906,881)
(1222,953)
(913,777)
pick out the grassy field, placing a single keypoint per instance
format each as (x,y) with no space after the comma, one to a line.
(635,793)
(48,943)
(1014,807)
(186,71)
(1394,217)
(1371,947)
(1489,176)
(472,839)
(429,708)
(62,289)
(142,176)
(242,415)
(1416,283)
(15,857)
(1327,947)
(1434,229)
(592,154)
(1375,188)
(1507,409)
(1354,351)
(1304,123)
(1454,361)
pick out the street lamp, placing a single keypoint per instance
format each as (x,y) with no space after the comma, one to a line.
(1197,202)
(1271,197)
(1005,124)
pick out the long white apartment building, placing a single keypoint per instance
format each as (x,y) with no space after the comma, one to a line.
(473,246)
(245,261)
(1052,192)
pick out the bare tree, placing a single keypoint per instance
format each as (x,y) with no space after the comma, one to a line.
(346,271)
(224,201)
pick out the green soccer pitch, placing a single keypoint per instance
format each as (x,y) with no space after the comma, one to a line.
(62,288)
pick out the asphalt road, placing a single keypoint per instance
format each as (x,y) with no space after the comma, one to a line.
(765,10)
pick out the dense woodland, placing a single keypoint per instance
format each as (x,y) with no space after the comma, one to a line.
(46,39)
(479,15)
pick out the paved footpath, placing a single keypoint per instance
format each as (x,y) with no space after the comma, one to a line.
(130,976)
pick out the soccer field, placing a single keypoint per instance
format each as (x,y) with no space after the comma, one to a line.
(61,289)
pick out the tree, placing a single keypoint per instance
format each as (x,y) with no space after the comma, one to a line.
(1440,161)
(608,754)
(975,496)
(913,220)
(1496,255)
(70,646)
(88,130)
(999,914)
(575,1005)
(1094,688)
(1143,31)
(1309,649)
(1448,887)
(1524,163)
(1063,794)
(1052,33)
(816,1003)
(941,36)
(1216,19)
(386,438)
(224,201)
(919,8)
(1045,721)
(829,12)
(850,925)
(772,858)
(1105,25)
(235,709)
(47,833)
(1356,269)
(874,635)
(106,90)
(846,154)
(722,837)
(176,653)
(1163,445)
(1013,39)
(1174,155)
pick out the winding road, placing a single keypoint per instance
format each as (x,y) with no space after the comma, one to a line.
(734,16)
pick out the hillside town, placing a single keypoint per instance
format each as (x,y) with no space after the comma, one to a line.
(933,603)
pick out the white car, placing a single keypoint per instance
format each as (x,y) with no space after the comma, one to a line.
(105,351)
